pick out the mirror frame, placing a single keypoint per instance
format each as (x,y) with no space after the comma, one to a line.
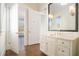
(76,22)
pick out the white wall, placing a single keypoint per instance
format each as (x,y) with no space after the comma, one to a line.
(44,20)
(44,25)
(3,30)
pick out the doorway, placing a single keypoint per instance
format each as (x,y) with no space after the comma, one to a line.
(24,30)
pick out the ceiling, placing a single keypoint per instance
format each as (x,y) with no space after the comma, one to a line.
(36,6)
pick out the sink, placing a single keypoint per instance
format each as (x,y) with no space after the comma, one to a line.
(68,36)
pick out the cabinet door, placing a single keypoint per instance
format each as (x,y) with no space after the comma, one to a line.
(44,45)
(62,51)
(51,46)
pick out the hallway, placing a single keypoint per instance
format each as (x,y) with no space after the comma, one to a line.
(23,27)
(31,50)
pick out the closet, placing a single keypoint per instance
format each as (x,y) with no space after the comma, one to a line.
(21,28)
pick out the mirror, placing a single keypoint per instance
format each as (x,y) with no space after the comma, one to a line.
(63,17)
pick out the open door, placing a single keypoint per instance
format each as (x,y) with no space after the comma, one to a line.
(14,28)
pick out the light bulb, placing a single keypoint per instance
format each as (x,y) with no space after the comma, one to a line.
(50,16)
(72,10)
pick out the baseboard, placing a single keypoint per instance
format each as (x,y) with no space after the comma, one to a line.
(44,54)
(32,44)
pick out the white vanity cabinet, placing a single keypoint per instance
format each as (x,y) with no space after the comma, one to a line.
(58,46)
(47,45)
(51,46)
(63,47)
(44,44)
(66,47)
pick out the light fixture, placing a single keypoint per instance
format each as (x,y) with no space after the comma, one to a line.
(50,16)
(72,10)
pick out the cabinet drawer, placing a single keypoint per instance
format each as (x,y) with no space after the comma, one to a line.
(51,47)
(64,43)
(44,47)
(62,51)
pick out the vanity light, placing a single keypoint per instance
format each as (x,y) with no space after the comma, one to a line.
(72,10)
(50,16)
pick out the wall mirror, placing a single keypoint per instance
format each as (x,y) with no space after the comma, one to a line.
(63,17)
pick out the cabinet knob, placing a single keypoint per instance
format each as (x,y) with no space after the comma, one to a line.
(62,50)
(58,48)
(46,43)
(62,42)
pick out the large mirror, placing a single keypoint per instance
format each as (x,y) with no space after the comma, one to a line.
(63,17)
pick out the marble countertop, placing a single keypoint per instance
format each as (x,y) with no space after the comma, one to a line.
(66,36)
(63,36)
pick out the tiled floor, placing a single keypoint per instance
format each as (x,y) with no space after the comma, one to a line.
(30,50)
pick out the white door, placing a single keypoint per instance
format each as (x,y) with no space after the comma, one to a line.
(34,27)
(14,28)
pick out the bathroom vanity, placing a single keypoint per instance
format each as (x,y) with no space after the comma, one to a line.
(59,45)
(59,34)
(61,38)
